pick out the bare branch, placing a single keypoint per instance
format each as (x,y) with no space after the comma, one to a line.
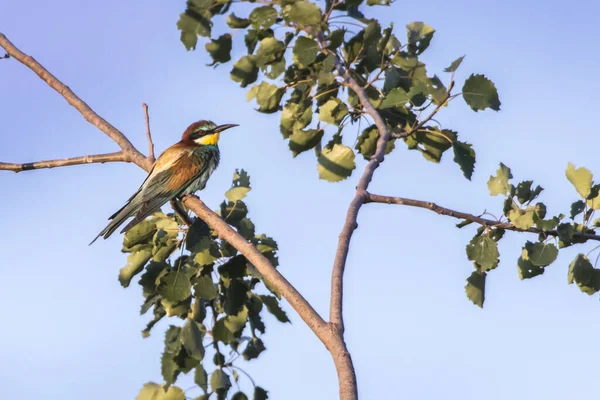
(339,264)
(90,115)
(148,135)
(374,198)
(98,158)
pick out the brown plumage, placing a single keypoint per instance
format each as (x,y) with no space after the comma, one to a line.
(181,169)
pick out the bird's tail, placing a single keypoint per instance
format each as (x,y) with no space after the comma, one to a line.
(118,218)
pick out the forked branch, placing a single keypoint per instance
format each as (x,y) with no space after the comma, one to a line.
(117,136)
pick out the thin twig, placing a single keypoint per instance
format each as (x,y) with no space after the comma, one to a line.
(148,135)
(97,158)
(375,198)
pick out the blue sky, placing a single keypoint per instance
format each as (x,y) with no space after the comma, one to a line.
(70,331)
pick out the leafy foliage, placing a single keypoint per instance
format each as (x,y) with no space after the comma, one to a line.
(554,233)
(310,86)
(214,291)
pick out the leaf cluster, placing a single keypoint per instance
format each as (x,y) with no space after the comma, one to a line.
(522,210)
(297,60)
(216,293)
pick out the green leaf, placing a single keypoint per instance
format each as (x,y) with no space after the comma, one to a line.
(263,17)
(336,164)
(245,71)
(584,274)
(526,269)
(540,254)
(367,143)
(303,13)
(419,36)
(260,393)
(226,328)
(219,380)
(154,391)
(205,288)
(239,396)
(484,251)
(274,308)
(198,311)
(237,23)
(333,111)
(209,252)
(295,116)
(577,208)
(175,286)
(305,51)
(237,193)
(219,49)
(303,140)
(235,297)
(396,97)
(499,184)
(253,349)
(139,235)
(169,368)
(522,219)
(581,178)
(150,391)
(336,38)
(270,51)
(268,98)
(187,26)
(455,64)
(201,378)
(565,232)
(464,156)
(580,270)
(431,142)
(135,265)
(480,93)
(191,338)
(475,288)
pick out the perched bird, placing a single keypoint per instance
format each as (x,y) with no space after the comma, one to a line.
(182,169)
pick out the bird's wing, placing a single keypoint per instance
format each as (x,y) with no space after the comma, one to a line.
(170,177)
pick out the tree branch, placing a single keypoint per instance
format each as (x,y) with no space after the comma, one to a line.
(129,151)
(98,158)
(374,198)
(148,134)
(181,212)
(350,224)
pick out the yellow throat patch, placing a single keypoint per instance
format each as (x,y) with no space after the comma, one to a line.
(211,139)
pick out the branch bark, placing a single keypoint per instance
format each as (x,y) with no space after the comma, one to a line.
(350,224)
(98,158)
(129,151)
(148,134)
(375,198)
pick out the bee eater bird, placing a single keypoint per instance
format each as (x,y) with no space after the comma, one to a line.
(182,169)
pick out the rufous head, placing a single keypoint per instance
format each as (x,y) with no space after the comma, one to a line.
(205,132)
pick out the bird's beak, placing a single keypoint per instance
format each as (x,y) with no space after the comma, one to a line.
(222,128)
